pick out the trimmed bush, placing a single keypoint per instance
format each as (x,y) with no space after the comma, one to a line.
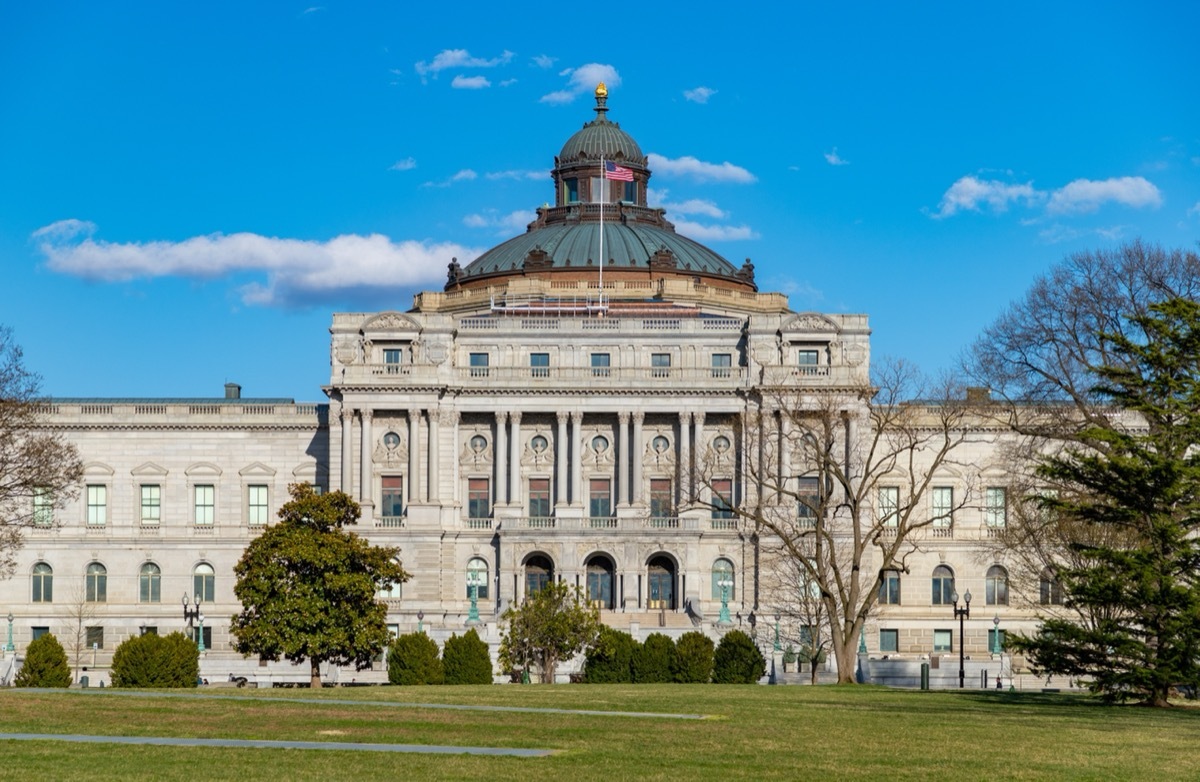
(156,661)
(465,660)
(655,660)
(694,658)
(413,659)
(45,665)
(610,659)
(737,660)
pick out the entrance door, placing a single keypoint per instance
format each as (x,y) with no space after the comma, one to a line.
(662,584)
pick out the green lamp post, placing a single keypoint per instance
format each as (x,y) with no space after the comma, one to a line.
(723,618)
(8,647)
(473,578)
(778,648)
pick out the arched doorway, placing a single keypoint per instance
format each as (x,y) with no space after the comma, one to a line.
(539,571)
(600,571)
(661,586)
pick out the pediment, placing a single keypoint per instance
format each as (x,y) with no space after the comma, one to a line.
(810,323)
(388,322)
(149,469)
(202,469)
(256,470)
(97,468)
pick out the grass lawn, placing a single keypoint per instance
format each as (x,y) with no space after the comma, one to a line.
(752,732)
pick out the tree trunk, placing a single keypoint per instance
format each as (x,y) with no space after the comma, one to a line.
(315,680)
(846,653)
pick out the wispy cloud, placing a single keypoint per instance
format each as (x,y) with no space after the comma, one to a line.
(295,272)
(505,225)
(458,58)
(544,61)
(465,175)
(699,94)
(508,82)
(834,159)
(312,10)
(407,164)
(659,198)
(715,233)
(1194,211)
(583,80)
(1087,195)
(968,193)
(518,174)
(700,171)
(470,82)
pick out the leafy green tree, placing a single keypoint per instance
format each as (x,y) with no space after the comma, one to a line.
(737,660)
(694,658)
(466,660)
(45,665)
(609,659)
(551,625)
(152,660)
(308,586)
(655,660)
(1137,471)
(413,659)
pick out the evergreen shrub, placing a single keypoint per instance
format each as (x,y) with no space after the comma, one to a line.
(45,665)
(737,660)
(156,661)
(609,659)
(694,658)
(413,659)
(465,660)
(655,660)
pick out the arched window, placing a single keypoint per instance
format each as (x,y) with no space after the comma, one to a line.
(150,584)
(1050,592)
(943,586)
(97,583)
(997,586)
(661,586)
(600,582)
(477,574)
(43,583)
(204,582)
(539,572)
(723,586)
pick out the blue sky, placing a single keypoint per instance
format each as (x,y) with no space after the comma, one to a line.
(188,191)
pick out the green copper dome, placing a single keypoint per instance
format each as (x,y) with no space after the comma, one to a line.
(601,138)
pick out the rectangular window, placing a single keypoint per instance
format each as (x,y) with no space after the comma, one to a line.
(393,496)
(943,640)
(941,501)
(43,507)
(889,505)
(479,364)
(889,640)
(600,498)
(600,191)
(722,499)
(809,496)
(809,358)
(97,505)
(149,630)
(539,497)
(571,186)
(256,506)
(95,637)
(889,588)
(600,365)
(661,505)
(151,503)
(479,498)
(630,192)
(539,364)
(995,506)
(392,358)
(38,632)
(206,504)
(722,365)
(660,364)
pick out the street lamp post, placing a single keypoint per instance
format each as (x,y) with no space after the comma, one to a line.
(723,618)
(8,647)
(996,634)
(962,614)
(191,612)
(778,648)
(200,632)
(420,622)
(473,580)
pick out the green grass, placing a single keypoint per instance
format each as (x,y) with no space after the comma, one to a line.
(754,733)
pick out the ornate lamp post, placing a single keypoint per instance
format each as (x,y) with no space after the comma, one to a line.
(996,634)
(723,618)
(200,631)
(8,647)
(191,613)
(962,614)
(420,621)
(473,579)
(778,648)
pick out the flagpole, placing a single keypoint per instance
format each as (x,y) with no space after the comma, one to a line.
(603,197)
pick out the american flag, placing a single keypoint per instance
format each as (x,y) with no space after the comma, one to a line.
(613,171)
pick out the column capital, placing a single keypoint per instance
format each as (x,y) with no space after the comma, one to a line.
(414,413)
(563,416)
(501,417)
(639,417)
(447,416)
(515,416)
(623,417)
(366,413)
(576,417)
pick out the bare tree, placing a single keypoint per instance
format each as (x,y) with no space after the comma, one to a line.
(81,614)
(39,470)
(803,624)
(839,482)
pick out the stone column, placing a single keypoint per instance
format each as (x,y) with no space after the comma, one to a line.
(685,460)
(514,469)
(433,481)
(622,459)
(637,452)
(450,418)
(414,461)
(346,416)
(562,457)
(577,458)
(365,454)
(501,449)
(699,452)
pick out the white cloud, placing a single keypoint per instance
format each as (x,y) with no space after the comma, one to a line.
(465,175)
(968,193)
(296,271)
(508,82)
(1194,211)
(470,82)
(688,166)
(312,10)
(459,58)
(1087,195)
(407,164)
(538,174)
(692,206)
(833,159)
(544,61)
(714,233)
(699,95)
(583,80)
(505,225)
